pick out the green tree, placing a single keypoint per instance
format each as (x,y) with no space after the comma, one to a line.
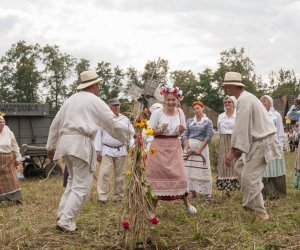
(284,83)
(105,72)
(156,71)
(82,65)
(186,81)
(19,74)
(209,92)
(236,60)
(57,72)
(133,78)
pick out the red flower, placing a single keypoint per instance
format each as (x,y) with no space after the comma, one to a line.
(154,220)
(126,225)
(139,138)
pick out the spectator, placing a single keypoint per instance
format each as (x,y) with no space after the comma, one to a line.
(198,133)
(111,153)
(274,176)
(10,158)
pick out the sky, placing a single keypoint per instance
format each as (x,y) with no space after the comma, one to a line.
(190,34)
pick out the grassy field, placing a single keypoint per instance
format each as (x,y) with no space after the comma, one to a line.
(222,224)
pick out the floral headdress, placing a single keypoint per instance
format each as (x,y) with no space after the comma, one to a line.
(172,90)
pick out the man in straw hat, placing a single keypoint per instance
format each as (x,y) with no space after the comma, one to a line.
(71,137)
(254,136)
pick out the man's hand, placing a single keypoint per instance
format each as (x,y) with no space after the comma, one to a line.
(50,154)
(99,156)
(17,163)
(234,154)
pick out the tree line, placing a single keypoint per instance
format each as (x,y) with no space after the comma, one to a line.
(44,74)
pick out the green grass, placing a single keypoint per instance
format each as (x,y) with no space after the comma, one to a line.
(222,224)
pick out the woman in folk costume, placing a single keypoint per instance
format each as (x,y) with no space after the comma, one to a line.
(274,176)
(10,158)
(227,179)
(165,168)
(198,133)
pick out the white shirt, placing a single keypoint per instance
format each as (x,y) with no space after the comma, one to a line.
(76,124)
(158,117)
(225,123)
(108,145)
(8,143)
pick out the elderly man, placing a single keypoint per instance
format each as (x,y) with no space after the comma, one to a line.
(112,156)
(71,137)
(254,134)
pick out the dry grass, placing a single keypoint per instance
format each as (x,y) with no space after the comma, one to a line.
(222,224)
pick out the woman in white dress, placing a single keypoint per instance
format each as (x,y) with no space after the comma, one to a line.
(198,133)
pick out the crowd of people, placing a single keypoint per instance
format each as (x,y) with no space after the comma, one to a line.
(251,141)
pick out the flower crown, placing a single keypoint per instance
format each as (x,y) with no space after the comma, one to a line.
(172,90)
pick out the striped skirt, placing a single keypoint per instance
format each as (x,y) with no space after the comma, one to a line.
(227,179)
(9,185)
(165,169)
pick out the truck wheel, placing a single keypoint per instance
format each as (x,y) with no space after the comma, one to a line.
(52,170)
(31,170)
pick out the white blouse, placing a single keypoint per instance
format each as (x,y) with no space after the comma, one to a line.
(225,123)
(8,143)
(158,117)
(277,119)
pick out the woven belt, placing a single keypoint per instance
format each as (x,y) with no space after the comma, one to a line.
(166,136)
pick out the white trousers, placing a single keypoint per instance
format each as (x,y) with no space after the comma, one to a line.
(107,165)
(250,174)
(76,192)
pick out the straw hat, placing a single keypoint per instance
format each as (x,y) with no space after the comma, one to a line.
(233,78)
(88,78)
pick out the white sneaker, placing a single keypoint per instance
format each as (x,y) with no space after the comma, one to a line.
(191,209)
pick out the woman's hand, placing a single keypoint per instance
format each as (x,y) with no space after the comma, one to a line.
(164,127)
(198,151)
(181,129)
(188,150)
